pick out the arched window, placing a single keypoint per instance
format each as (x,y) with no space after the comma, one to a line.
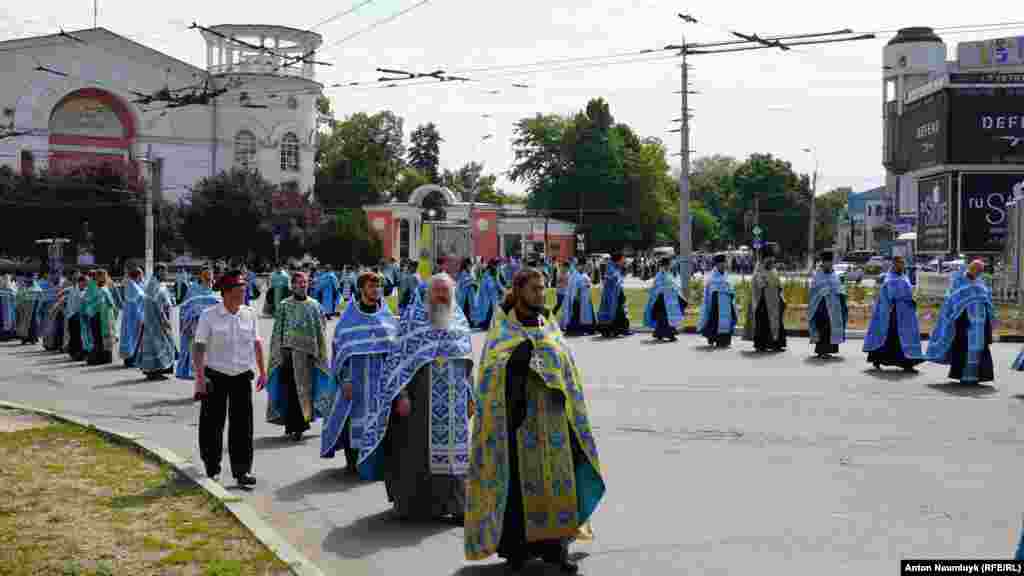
(290,153)
(245,150)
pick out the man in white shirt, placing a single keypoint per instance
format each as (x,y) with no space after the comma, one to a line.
(226,347)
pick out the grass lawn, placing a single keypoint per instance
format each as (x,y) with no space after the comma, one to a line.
(73,503)
(861,305)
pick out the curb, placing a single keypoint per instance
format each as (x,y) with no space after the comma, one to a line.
(297,563)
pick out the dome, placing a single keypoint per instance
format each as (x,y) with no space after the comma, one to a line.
(914,34)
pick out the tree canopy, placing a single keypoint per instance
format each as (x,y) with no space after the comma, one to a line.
(425,151)
(359,160)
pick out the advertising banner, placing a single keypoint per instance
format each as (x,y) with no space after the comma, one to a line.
(984,222)
(924,132)
(933,214)
(987,126)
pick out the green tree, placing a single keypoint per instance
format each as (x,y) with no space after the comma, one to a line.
(425,151)
(347,239)
(782,198)
(712,183)
(827,209)
(239,199)
(408,180)
(359,160)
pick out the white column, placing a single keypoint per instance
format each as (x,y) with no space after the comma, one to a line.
(209,55)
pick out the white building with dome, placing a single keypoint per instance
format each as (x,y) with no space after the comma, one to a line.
(81,99)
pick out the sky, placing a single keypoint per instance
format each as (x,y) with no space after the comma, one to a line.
(827,98)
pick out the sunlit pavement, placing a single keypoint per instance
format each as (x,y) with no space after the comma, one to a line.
(717,462)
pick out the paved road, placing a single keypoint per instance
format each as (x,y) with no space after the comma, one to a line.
(717,462)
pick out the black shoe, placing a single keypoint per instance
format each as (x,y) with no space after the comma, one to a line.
(296,436)
(245,480)
(911,370)
(878,366)
(515,563)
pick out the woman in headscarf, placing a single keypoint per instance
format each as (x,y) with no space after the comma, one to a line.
(98,321)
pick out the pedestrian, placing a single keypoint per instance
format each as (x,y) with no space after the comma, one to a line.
(666,306)
(328,288)
(612,317)
(894,337)
(466,292)
(99,322)
(131,317)
(8,309)
(227,347)
(200,297)
(766,308)
(362,340)
(963,332)
(280,284)
(534,475)
(717,320)
(53,330)
(348,285)
(417,438)
(299,389)
(158,353)
(827,310)
(487,296)
(73,312)
(29,300)
(181,284)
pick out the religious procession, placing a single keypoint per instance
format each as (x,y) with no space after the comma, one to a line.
(501,444)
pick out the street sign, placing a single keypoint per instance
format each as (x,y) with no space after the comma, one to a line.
(758,244)
(757,230)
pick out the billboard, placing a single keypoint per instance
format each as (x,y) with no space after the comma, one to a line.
(933,214)
(924,132)
(988,53)
(984,222)
(987,126)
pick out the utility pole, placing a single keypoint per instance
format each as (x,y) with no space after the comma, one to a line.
(685,238)
(150,191)
(810,225)
(746,42)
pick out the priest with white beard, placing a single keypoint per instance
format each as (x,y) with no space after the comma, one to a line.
(417,429)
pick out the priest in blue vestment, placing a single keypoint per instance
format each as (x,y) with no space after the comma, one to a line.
(718,311)
(417,433)
(132,312)
(894,336)
(73,318)
(827,311)
(8,307)
(53,322)
(963,331)
(362,339)
(577,312)
(157,356)
(29,301)
(328,292)
(612,318)
(488,296)
(666,305)
(200,297)
(466,291)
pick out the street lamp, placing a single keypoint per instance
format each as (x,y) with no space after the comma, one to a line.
(810,225)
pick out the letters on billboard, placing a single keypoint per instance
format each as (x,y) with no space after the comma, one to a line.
(984,224)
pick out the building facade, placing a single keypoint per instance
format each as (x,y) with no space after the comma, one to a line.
(495,231)
(952,135)
(93,97)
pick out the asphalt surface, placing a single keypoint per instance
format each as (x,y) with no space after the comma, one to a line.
(716,461)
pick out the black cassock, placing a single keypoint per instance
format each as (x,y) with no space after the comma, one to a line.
(958,351)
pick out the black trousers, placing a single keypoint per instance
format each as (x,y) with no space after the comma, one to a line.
(228,398)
